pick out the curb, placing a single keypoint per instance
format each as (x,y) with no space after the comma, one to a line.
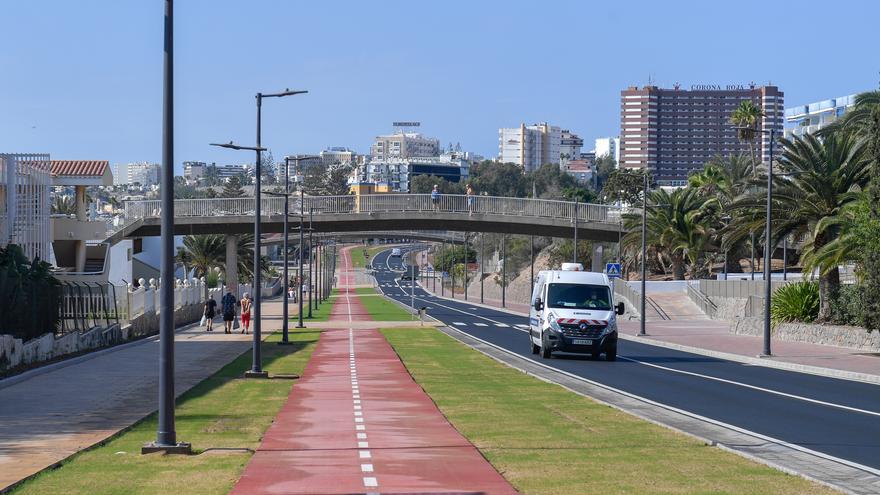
(27,375)
(765,362)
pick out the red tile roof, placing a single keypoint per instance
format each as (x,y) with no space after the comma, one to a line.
(79,168)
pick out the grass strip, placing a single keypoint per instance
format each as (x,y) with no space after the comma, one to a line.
(547,440)
(358,260)
(223,411)
(379,308)
(321,313)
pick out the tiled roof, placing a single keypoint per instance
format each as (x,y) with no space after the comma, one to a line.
(79,168)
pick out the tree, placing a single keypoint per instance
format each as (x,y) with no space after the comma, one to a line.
(203,252)
(232,188)
(602,169)
(826,176)
(445,259)
(623,185)
(548,181)
(746,118)
(64,205)
(314,177)
(267,168)
(211,176)
(423,184)
(499,179)
(336,179)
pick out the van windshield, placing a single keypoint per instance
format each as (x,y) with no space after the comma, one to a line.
(579,296)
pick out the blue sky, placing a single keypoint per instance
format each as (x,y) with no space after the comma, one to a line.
(82,80)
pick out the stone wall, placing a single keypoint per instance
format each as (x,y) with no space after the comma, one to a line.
(837,335)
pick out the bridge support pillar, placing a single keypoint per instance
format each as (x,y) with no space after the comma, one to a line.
(232,264)
(596,259)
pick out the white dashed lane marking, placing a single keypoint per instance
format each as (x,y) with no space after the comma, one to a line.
(481,324)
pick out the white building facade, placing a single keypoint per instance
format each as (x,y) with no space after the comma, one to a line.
(404,145)
(143,173)
(25,180)
(608,146)
(530,146)
(807,119)
(398,173)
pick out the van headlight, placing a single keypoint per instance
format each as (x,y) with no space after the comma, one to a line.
(552,323)
(611,328)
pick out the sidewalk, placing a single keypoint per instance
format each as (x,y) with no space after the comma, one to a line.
(711,337)
(51,416)
(357,422)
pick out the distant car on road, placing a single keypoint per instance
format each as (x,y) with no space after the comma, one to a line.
(395,252)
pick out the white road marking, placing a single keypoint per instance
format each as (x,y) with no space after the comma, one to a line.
(358,413)
(360,427)
(357,401)
(767,438)
(754,387)
(481,324)
(459,323)
(364,454)
(357,407)
(502,325)
(363,445)
(367,468)
(370,481)
(362,436)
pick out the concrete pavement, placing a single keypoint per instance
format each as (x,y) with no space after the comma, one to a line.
(51,416)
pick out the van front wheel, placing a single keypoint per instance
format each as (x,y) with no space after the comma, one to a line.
(611,353)
(535,348)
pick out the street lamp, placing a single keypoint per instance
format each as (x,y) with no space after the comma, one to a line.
(642,318)
(256,369)
(768,288)
(299,291)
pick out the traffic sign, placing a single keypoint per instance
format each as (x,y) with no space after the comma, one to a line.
(612,270)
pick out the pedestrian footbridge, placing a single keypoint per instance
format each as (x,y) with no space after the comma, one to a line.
(378,212)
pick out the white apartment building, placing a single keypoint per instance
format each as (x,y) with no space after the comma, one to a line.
(608,146)
(807,119)
(570,145)
(144,173)
(337,155)
(404,145)
(297,166)
(120,174)
(225,172)
(530,146)
(397,173)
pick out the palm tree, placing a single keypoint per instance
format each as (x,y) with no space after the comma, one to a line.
(676,230)
(746,118)
(64,205)
(825,178)
(204,252)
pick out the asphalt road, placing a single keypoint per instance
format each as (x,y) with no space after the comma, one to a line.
(839,418)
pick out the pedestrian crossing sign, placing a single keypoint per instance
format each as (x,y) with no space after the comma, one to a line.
(612,270)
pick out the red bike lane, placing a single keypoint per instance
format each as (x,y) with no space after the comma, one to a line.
(356,422)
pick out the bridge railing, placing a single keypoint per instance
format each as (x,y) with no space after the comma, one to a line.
(381,203)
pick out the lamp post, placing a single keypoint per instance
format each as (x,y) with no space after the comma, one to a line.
(166,436)
(644,252)
(285,286)
(575,250)
(302,199)
(768,243)
(256,369)
(311,262)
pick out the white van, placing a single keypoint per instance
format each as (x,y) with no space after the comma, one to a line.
(395,252)
(573,311)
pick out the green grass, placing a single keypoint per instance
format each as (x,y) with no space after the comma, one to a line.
(320,314)
(357,255)
(222,411)
(380,308)
(547,440)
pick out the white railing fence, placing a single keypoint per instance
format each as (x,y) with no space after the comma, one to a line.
(380,203)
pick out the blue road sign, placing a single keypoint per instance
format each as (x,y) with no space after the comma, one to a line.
(612,270)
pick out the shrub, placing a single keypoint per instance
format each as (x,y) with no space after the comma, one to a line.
(848,306)
(795,302)
(29,295)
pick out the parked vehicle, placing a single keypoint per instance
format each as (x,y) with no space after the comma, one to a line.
(573,312)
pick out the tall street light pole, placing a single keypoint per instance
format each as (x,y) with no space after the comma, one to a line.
(768,244)
(644,252)
(311,262)
(166,436)
(256,370)
(302,199)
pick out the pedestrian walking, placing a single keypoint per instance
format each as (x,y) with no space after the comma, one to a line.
(209,313)
(435,198)
(245,313)
(228,303)
(470,200)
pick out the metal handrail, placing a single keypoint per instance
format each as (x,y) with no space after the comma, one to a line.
(702,300)
(380,203)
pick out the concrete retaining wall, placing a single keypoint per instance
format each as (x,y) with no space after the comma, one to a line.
(837,335)
(15,353)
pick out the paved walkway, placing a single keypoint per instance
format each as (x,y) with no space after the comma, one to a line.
(53,415)
(357,422)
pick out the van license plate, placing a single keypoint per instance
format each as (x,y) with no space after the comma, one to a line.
(582,342)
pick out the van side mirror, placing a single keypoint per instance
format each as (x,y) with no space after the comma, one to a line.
(539,305)
(621,308)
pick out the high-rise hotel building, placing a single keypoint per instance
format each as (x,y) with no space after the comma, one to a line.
(676,131)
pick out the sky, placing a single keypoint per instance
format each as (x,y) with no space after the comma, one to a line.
(83,80)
